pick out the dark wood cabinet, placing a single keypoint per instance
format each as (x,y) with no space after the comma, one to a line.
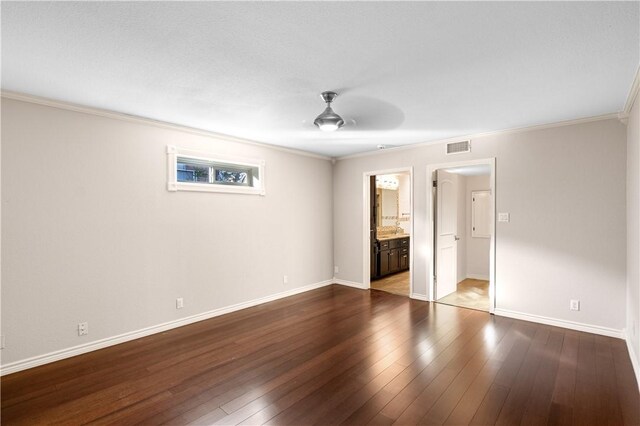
(394,260)
(383,262)
(393,256)
(404,261)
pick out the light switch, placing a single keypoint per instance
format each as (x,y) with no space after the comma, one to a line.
(503,217)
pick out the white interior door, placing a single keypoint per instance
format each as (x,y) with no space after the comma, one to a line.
(446,234)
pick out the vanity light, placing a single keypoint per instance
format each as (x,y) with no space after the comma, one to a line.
(328,121)
(387,182)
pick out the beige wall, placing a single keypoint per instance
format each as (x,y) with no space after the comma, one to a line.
(633,235)
(90,232)
(565,189)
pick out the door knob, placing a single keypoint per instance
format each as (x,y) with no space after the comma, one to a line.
(455,237)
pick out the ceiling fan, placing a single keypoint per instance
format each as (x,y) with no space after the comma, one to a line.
(328,121)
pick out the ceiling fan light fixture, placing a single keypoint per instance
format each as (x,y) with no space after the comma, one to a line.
(328,121)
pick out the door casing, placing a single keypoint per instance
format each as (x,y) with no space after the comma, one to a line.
(366,199)
(431,168)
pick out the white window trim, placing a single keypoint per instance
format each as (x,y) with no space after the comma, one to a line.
(172,175)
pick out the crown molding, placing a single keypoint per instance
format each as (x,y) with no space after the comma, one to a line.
(166,125)
(485,134)
(148,121)
(633,94)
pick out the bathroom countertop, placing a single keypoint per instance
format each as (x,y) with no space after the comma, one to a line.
(392,237)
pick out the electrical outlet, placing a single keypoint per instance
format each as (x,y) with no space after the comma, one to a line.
(285,279)
(179,303)
(574,305)
(336,270)
(83,328)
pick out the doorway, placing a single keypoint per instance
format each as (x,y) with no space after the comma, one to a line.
(388,247)
(462,233)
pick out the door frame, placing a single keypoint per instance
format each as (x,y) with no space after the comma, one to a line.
(431,168)
(366,244)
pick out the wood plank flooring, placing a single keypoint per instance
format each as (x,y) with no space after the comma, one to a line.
(396,283)
(338,355)
(470,293)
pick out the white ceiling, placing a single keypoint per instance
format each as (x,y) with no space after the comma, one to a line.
(406,72)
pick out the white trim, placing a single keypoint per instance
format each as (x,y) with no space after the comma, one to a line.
(611,116)
(572,325)
(366,244)
(634,357)
(478,277)
(633,94)
(201,132)
(418,296)
(35,361)
(148,121)
(350,284)
(431,168)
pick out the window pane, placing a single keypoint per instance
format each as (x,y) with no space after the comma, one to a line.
(213,173)
(232,176)
(192,171)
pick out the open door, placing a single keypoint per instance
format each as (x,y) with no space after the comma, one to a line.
(446,234)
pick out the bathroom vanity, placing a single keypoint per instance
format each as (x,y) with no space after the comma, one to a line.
(392,254)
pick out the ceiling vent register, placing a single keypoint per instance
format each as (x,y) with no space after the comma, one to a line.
(458,147)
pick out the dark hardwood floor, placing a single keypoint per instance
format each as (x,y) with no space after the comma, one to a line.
(338,355)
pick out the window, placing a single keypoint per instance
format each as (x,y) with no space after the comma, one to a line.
(194,171)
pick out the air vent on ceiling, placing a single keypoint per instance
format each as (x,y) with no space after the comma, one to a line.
(458,147)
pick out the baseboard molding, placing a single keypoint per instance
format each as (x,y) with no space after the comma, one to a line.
(418,296)
(349,283)
(478,277)
(50,357)
(635,362)
(604,331)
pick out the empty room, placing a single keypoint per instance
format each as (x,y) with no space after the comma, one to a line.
(319,213)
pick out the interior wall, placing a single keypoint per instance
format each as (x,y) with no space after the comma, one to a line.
(90,232)
(633,235)
(478,249)
(565,190)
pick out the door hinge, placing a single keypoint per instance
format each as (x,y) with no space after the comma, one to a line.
(435,183)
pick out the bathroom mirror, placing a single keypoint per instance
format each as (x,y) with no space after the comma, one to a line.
(387,207)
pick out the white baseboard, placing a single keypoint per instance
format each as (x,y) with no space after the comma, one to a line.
(349,283)
(418,296)
(478,277)
(635,362)
(604,331)
(35,361)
